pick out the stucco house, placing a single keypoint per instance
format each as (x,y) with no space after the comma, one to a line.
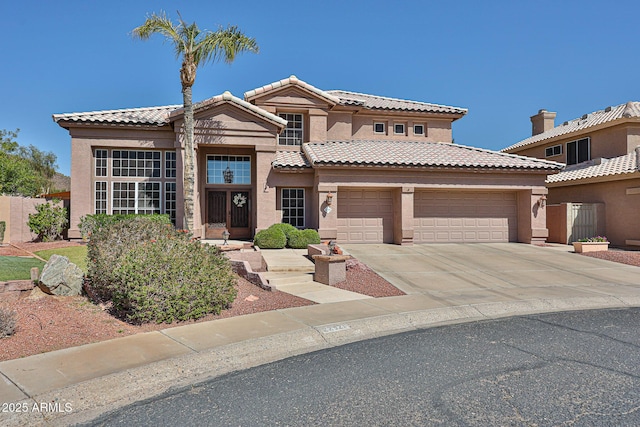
(599,190)
(356,167)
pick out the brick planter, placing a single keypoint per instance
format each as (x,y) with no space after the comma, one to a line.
(582,247)
(330,269)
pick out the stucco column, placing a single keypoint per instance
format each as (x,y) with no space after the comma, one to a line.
(532,215)
(327,221)
(264,204)
(403,216)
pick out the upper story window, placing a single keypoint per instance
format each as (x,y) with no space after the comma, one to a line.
(556,150)
(398,129)
(292,134)
(101,162)
(379,127)
(418,130)
(578,151)
(228,169)
(136,163)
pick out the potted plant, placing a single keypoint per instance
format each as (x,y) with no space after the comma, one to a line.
(591,244)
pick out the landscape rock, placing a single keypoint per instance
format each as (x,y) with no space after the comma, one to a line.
(61,277)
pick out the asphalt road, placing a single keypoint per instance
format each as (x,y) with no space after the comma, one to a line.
(573,369)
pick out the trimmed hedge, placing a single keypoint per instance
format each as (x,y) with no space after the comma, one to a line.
(153,273)
(89,224)
(271,238)
(286,228)
(299,239)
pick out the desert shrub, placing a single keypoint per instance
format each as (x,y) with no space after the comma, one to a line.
(299,239)
(271,238)
(48,222)
(3,227)
(89,224)
(153,273)
(7,322)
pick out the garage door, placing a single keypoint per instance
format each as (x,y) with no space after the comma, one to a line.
(464,217)
(365,216)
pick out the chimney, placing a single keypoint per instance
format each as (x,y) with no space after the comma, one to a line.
(542,122)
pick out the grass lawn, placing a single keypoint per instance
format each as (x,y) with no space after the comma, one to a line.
(76,254)
(17,268)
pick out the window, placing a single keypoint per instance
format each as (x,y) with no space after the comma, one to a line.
(101,162)
(136,198)
(293,206)
(556,150)
(136,163)
(170,200)
(228,169)
(378,127)
(578,151)
(418,129)
(169,164)
(398,129)
(101,197)
(292,134)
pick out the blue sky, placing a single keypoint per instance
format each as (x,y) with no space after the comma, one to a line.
(503,60)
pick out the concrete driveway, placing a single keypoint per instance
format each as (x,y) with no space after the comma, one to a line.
(458,274)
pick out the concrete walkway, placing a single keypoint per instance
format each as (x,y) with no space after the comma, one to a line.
(446,284)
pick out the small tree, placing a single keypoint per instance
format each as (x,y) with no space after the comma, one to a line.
(48,222)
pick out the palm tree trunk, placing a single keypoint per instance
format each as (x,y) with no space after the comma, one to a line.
(188,172)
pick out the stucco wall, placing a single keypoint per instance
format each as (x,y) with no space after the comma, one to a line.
(622,221)
(15,212)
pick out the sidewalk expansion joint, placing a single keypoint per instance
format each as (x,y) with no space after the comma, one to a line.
(178,342)
(16,385)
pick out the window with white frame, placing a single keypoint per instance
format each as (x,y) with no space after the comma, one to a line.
(556,150)
(228,169)
(379,127)
(418,130)
(169,164)
(578,151)
(170,200)
(101,197)
(135,198)
(101,162)
(145,164)
(293,133)
(398,129)
(293,206)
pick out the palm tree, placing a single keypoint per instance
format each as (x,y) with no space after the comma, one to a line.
(196,48)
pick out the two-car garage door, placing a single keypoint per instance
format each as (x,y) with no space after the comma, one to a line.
(366,216)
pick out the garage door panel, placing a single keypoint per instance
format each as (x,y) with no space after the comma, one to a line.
(365,216)
(464,217)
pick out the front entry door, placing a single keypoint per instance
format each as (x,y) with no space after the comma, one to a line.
(230,210)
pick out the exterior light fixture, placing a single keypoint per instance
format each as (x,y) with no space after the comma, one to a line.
(228,175)
(329,199)
(225,236)
(542,201)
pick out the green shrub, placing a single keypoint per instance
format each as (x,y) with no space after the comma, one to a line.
(89,224)
(48,222)
(287,229)
(7,322)
(3,227)
(153,273)
(299,239)
(271,238)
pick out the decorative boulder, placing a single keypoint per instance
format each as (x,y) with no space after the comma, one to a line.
(61,277)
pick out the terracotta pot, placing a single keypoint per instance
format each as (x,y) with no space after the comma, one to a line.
(581,247)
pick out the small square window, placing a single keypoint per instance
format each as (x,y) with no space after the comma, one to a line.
(418,129)
(556,150)
(398,129)
(378,127)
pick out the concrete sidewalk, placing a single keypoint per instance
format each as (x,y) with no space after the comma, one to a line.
(96,378)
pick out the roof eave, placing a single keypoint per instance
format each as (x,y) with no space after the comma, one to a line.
(595,180)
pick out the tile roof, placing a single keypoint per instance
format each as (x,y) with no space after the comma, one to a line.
(157,116)
(292,80)
(290,159)
(374,102)
(417,154)
(609,114)
(228,97)
(616,166)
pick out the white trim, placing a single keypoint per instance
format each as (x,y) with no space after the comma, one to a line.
(304,208)
(95,162)
(404,129)
(420,133)
(164,166)
(553,147)
(384,128)
(95,199)
(577,153)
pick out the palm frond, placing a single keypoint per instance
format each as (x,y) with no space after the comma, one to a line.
(160,24)
(224,44)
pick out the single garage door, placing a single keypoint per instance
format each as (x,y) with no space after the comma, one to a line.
(465,217)
(365,216)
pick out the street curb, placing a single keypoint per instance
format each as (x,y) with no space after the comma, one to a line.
(92,398)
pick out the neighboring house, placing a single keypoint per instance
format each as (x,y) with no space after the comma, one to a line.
(358,168)
(599,190)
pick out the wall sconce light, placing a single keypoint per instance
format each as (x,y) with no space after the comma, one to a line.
(329,199)
(542,201)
